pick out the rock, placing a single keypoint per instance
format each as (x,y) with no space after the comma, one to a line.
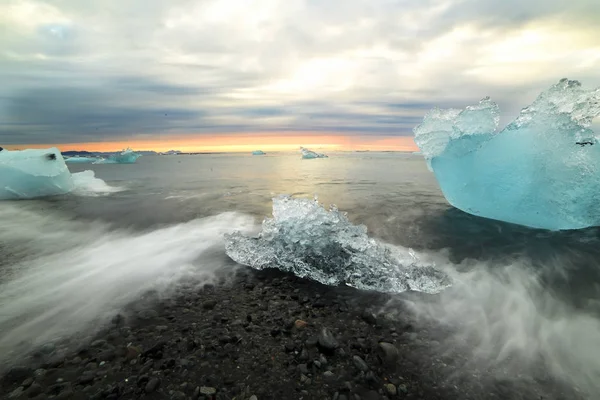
(209,304)
(196,393)
(360,364)
(328,374)
(66,394)
(16,393)
(208,391)
(303,369)
(253,397)
(147,314)
(369,317)
(327,342)
(34,390)
(161,328)
(18,374)
(152,385)
(99,343)
(387,353)
(178,396)
(48,348)
(390,389)
(87,377)
(27,382)
(132,352)
(299,324)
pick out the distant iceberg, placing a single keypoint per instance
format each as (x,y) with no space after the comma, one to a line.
(32,173)
(258,153)
(309,154)
(306,239)
(80,160)
(127,156)
(541,171)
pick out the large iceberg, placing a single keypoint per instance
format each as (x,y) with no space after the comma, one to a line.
(311,242)
(33,173)
(541,171)
(127,156)
(309,154)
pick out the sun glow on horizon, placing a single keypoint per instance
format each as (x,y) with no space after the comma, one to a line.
(231,143)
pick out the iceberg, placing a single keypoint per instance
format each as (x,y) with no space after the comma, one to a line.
(541,171)
(309,154)
(127,156)
(306,239)
(33,173)
(258,153)
(80,160)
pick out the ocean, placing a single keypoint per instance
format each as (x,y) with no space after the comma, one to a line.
(520,296)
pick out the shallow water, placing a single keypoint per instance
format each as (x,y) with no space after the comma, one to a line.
(519,295)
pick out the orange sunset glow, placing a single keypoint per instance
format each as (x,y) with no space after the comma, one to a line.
(243,143)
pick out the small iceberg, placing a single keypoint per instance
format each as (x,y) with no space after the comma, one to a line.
(31,173)
(309,154)
(127,156)
(258,153)
(80,160)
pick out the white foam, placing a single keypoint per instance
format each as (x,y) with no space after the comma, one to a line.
(86,184)
(96,271)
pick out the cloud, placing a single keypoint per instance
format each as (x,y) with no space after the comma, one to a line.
(79,71)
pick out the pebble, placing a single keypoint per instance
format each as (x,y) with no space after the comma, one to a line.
(152,385)
(391,389)
(327,341)
(253,397)
(387,353)
(18,374)
(178,396)
(16,393)
(299,324)
(209,391)
(360,363)
(27,382)
(34,390)
(328,374)
(147,314)
(99,343)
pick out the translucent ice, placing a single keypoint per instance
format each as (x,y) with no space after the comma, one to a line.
(80,160)
(541,171)
(258,153)
(311,242)
(309,154)
(28,174)
(127,156)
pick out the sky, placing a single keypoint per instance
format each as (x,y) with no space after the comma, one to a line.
(219,75)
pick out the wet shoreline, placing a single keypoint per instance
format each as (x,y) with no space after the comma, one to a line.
(265,334)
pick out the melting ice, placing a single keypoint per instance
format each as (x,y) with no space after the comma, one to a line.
(541,171)
(28,174)
(309,154)
(311,242)
(33,173)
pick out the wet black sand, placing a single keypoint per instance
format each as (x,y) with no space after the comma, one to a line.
(264,335)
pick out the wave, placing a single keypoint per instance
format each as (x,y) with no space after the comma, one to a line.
(86,184)
(84,273)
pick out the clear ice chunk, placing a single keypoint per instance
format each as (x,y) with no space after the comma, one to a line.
(28,174)
(541,171)
(311,242)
